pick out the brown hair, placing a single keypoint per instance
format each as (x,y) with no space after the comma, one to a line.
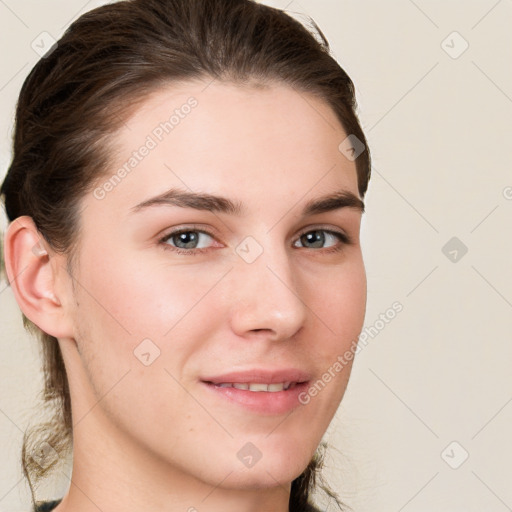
(80,93)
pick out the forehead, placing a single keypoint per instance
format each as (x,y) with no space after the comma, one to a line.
(269,142)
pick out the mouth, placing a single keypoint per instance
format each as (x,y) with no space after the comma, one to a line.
(257,387)
(261,392)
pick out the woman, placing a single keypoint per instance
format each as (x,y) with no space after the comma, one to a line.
(185,198)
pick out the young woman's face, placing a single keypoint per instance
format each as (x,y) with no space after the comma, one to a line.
(259,290)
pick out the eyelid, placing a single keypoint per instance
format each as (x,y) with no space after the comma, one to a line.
(166,233)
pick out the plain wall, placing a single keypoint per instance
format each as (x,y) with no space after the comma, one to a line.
(433,384)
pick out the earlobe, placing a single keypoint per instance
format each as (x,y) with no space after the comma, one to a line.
(33,278)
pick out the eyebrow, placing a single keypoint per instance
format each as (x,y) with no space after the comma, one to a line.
(214,203)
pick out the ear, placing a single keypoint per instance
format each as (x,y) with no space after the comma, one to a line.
(36,275)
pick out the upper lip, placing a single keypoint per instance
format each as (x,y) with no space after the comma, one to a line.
(264,376)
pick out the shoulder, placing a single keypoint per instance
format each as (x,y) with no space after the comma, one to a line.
(45,506)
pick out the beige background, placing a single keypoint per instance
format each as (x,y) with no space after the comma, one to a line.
(439,127)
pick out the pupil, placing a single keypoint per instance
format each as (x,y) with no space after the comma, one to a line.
(315,237)
(188,238)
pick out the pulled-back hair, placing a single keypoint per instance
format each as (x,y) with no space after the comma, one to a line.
(81,92)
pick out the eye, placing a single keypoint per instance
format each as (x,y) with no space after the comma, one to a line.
(319,237)
(190,241)
(187,241)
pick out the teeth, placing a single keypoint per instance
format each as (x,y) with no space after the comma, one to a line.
(276,387)
(257,386)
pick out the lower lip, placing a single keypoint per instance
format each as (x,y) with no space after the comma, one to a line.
(262,402)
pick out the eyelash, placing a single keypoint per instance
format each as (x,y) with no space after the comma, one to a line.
(343,238)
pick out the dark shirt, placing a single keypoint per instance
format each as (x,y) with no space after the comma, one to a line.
(46,506)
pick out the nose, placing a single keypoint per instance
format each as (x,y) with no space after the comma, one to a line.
(266,297)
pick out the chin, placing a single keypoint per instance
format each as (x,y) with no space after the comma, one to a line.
(272,472)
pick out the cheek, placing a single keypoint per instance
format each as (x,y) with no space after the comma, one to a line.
(138,328)
(145,320)
(340,305)
(342,309)
(135,301)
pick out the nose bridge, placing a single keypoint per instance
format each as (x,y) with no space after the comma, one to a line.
(266,295)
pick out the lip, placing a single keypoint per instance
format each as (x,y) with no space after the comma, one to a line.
(260,402)
(264,376)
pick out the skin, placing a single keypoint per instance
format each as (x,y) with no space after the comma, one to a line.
(153,437)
